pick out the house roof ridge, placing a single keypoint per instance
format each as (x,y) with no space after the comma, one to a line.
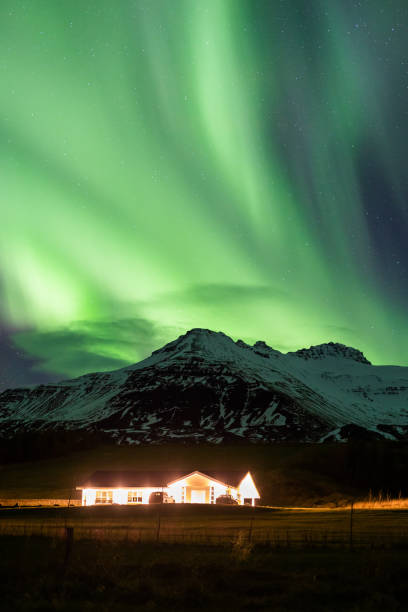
(157,478)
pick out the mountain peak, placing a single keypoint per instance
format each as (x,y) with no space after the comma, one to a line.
(331,349)
(202,332)
(200,341)
(206,343)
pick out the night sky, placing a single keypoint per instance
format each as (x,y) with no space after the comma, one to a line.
(238,165)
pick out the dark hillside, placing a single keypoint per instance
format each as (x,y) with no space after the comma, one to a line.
(286,474)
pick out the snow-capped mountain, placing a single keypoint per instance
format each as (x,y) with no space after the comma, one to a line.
(204,386)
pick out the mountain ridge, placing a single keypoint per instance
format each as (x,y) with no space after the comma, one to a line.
(204,386)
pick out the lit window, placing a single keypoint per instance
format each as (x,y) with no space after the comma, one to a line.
(134,497)
(211,495)
(103,497)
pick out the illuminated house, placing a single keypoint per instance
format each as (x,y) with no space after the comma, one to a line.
(132,487)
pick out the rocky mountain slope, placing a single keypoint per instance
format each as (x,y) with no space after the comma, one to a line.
(206,387)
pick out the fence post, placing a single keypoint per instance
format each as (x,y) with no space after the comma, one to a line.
(158,526)
(69,540)
(251,522)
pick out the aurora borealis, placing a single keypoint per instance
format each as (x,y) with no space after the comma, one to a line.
(238,165)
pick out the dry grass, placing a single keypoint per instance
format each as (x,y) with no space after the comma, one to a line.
(382,502)
(38,502)
(215,525)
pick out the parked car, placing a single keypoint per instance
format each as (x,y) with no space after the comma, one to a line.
(226,499)
(160,497)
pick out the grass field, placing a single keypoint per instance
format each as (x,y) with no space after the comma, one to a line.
(193,557)
(39,573)
(207,524)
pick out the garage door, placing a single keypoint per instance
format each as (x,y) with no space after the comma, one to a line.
(198,496)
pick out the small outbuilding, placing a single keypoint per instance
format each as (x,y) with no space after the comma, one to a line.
(134,487)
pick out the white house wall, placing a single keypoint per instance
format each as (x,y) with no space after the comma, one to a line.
(247,488)
(193,482)
(176,491)
(88,497)
(119,496)
(198,482)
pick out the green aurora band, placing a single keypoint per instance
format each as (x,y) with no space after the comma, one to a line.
(169,164)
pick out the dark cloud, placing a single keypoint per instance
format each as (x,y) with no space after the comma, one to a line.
(36,356)
(89,346)
(16,367)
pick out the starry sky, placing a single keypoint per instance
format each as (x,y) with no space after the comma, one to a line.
(238,165)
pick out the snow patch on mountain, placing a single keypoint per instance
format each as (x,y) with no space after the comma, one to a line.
(205,386)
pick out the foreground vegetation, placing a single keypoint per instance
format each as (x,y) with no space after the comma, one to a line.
(198,524)
(45,574)
(207,557)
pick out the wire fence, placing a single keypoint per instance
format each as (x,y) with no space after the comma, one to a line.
(252,535)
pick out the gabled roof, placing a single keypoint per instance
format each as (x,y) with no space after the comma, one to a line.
(133,478)
(231,479)
(129,478)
